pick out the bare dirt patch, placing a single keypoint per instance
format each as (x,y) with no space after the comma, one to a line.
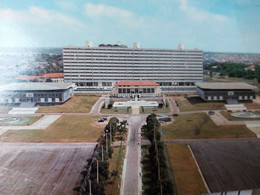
(229,165)
(29,168)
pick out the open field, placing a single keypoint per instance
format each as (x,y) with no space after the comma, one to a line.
(78,103)
(185,171)
(200,126)
(115,163)
(229,165)
(65,129)
(30,168)
(228,116)
(230,79)
(195,103)
(116,111)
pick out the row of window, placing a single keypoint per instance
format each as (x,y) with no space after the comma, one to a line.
(129,50)
(144,90)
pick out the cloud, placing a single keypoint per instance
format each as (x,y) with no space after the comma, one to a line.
(199,15)
(109,11)
(66,5)
(37,15)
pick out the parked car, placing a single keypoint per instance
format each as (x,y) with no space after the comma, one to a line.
(211,112)
(101,120)
(104,118)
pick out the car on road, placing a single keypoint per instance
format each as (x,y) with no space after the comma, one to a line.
(211,112)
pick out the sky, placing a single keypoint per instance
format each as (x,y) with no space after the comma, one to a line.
(210,25)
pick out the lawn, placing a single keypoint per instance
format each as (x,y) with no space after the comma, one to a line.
(32,119)
(228,116)
(200,126)
(116,111)
(65,129)
(251,106)
(195,103)
(115,163)
(78,103)
(185,171)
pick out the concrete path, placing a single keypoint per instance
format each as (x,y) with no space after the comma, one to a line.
(97,106)
(132,184)
(219,119)
(254,126)
(42,123)
(173,105)
(135,110)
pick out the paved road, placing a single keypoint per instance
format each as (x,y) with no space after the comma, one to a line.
(173,105)
(97,106)
(132,169)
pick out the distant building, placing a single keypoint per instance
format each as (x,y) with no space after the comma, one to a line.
(54,77)
(251,68)
(37,92)
(48,77)
(97,69)
(225,91)
(136,89)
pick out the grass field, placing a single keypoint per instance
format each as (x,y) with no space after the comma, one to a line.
(185,171)
(251,106)
(199,125)
(116,111)
(78,103)
(228,116)
(195,103)
(115,163)
(32,119)
(65,129)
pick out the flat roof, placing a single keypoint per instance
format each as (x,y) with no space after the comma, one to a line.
(35,86)
(139,83)
(220,85)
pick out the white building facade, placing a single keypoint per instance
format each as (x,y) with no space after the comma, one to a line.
(97,69)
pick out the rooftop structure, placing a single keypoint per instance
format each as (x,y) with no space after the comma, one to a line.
(136,89)
(137,83)
(225,86)
(37,92)
(230,92)
(55,77)
(97,69)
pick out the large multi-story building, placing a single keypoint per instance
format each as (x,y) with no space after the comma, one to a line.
(99,68)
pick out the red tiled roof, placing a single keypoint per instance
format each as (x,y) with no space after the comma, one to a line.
(47,75)
(139,83)
(53,75)
(251,67)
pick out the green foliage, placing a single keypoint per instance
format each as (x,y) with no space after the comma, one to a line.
(234,70)
(157,158)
